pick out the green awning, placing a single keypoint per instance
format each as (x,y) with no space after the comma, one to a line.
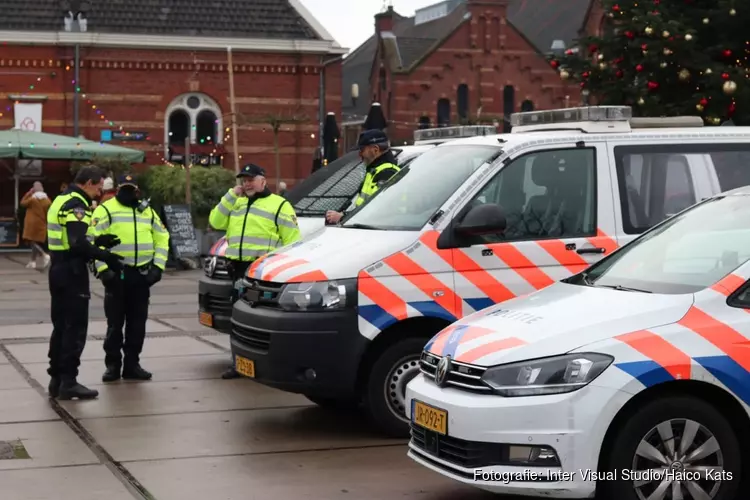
(27,145)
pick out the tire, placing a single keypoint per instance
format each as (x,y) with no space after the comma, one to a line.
(681,413)
(384,393)
(334,404)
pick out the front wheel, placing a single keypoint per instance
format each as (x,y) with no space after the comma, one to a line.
(674,448)
(385,392)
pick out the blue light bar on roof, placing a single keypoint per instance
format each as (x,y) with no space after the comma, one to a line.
(431,134)
(571,115)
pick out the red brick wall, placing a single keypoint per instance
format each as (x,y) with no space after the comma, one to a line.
(486,54)
(593,24)
(134,95)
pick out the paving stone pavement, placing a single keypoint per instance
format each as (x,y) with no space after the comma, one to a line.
(185,435)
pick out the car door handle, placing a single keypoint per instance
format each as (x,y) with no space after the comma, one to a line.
(582,251)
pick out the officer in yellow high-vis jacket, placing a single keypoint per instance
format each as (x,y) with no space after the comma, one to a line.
(375,151)
(256,222)
(144,245)
(68,221)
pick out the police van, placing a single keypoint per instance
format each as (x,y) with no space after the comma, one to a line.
(343,316)
(629,380)
(334,187)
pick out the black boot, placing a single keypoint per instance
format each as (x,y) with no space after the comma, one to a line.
(53,389)
(70,389)
(112,373)
(135,372)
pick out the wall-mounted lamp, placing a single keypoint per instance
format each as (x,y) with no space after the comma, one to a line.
(355,93)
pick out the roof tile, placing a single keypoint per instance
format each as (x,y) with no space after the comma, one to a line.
(216,18)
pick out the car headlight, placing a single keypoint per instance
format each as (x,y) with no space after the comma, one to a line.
(318,296)
(216,267)
(555,375)
(209,266)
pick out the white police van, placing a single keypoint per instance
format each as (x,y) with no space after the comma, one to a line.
(343,316)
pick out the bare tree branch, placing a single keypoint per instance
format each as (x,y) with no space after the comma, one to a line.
(275,121)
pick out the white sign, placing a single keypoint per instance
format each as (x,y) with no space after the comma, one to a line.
(29,118)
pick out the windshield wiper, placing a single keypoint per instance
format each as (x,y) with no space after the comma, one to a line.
(624,288)
(362,226)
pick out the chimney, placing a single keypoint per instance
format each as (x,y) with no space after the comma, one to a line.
(384,20)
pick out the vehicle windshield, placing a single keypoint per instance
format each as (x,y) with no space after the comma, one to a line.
(690,252)
(413,196)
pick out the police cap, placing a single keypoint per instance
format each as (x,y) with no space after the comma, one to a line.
(251,170)
(372,137)
(127,180)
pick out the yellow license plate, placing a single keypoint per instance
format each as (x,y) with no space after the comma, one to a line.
(244,366)
(430,418)
(206,319)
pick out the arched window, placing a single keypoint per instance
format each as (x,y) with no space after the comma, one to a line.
(527,105)
(206,127)
(443,112)
(194,115)
(462,102)
(509,103)
(178,127)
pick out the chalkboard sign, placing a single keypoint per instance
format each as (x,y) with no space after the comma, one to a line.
(179,222)
(9,233)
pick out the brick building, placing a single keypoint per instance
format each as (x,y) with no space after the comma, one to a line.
(151,73)
(460,61)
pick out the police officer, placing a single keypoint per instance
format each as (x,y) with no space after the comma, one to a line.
(68,221)
(144,246)
(256,222)
(375,151)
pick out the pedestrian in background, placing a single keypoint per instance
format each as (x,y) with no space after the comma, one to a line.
(68,222)
(144,245)
(36,202)
(256,222)
(282,189)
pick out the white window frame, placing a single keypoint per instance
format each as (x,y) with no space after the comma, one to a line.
(179,103)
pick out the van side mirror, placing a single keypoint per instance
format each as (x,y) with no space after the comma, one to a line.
(483,219)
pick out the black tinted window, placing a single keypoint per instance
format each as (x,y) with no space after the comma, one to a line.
(732,168)
(332,187)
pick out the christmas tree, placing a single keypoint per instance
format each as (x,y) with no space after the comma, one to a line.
(667,58)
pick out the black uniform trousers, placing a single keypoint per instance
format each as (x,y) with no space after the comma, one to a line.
(237,270)
(126,302)
(70,296)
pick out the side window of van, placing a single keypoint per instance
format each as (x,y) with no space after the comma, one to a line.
(549,194)
(653,186)
(732,168)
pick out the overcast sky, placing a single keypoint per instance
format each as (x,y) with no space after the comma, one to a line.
(351,22)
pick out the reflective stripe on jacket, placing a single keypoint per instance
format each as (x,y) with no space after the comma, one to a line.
(257,228)
(143,237)
(58,218)
(369,186)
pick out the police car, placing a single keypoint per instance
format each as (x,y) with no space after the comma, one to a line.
(343,316)
(630,378)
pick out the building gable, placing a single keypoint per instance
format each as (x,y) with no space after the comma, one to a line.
(539,22)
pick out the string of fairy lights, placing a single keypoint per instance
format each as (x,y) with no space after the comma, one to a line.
(103,117)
